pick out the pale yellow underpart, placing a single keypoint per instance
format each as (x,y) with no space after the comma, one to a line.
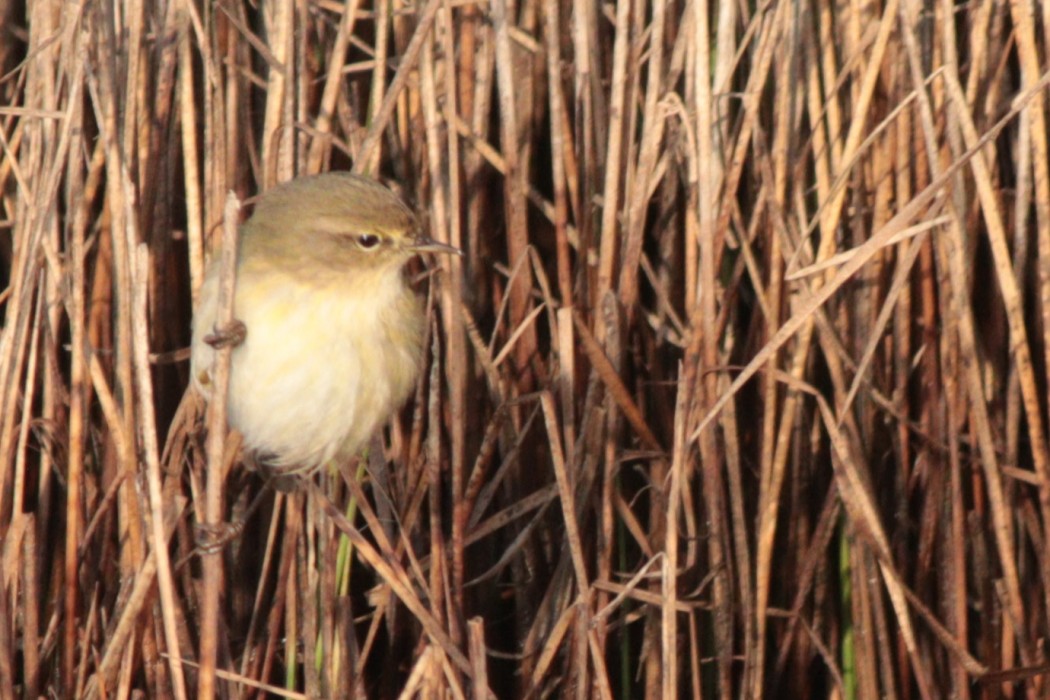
(324,364)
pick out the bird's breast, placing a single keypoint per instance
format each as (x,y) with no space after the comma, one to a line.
(324,363)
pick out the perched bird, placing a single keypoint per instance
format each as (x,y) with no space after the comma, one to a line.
(334,333)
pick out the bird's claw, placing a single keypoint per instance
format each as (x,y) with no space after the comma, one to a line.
(212,538)
(229,336)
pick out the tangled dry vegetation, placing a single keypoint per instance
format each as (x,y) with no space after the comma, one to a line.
(739,391)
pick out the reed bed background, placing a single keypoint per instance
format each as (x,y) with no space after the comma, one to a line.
(739,390)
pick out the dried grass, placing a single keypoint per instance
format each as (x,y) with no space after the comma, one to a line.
(739,391)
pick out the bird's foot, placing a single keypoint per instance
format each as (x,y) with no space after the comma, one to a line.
(229,336)
(212,538)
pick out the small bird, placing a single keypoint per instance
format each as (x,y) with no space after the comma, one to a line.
(334,333)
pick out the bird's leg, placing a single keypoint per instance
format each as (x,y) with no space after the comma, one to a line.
(282,480)
(288,483)
(212,538)
(229,336)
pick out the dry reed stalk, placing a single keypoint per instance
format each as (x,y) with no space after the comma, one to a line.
(658,201)
(214,505)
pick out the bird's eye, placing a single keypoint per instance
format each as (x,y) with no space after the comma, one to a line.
(368,241)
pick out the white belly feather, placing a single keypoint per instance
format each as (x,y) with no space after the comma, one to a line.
(311,380)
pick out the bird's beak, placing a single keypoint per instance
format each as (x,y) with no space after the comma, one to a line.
(429,245)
